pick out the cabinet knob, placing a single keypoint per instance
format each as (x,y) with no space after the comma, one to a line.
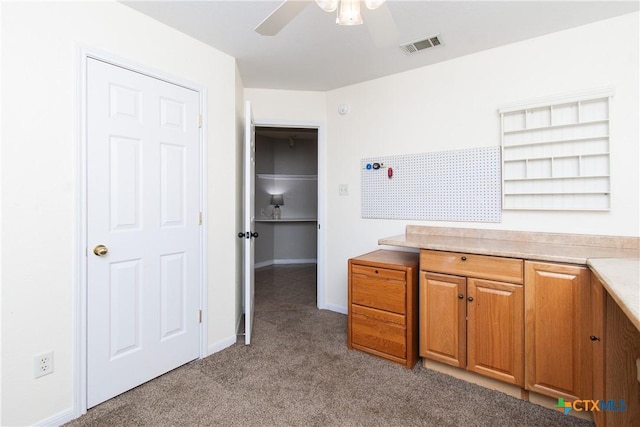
(470,299)
(464,258)
(594,338)
(376,271)
(460,296)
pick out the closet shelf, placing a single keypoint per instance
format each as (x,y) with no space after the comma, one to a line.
(286,220)
(286,177)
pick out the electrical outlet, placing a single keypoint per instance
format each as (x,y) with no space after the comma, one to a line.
(343,189)
(43,364)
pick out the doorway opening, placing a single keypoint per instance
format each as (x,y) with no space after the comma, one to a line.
(286,201)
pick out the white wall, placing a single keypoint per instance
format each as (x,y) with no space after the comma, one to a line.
(39,143)
(453,105)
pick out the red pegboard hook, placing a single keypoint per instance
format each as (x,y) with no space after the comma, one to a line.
(390,172)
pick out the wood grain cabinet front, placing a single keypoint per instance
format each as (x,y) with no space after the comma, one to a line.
(472,322)
(558,327)
(383,305)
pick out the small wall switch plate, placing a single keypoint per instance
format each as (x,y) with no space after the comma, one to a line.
(43,364)
(343,189)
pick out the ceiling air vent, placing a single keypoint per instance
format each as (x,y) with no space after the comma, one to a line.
(419,45)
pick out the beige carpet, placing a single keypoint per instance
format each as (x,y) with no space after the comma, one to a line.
(299,372)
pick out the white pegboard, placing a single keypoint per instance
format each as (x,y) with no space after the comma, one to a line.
(460,185)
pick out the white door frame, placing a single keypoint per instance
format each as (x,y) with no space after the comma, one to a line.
(322,195)
(80,241)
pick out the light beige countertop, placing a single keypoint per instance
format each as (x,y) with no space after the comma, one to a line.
(615,260)
(621,279)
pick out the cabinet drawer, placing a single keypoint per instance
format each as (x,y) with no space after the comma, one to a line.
(378,292)
(380,331)
(470,265)
(379,273)
(375,314)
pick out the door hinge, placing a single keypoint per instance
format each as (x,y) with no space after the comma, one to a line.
(200,218)
(200,120)
(199,316)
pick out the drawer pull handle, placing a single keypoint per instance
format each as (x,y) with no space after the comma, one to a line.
(464,258)
(460,296)
(470,299)
(594,338)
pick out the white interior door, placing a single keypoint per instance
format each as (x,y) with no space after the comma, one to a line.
(249,233)
(143,283)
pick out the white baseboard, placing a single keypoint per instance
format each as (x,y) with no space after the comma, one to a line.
(336,308)
(263,264)
(286,261)
(221,345)
(59,419)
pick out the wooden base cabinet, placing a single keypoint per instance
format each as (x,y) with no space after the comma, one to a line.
(558,353)
(615,354)
(473,322)
(383,305)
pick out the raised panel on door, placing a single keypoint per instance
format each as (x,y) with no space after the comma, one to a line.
(173,181)
(173,295)
(557,352)
(495,336)
(124,321)
(443,318)
(125,173)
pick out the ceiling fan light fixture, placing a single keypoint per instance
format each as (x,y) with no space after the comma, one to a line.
(328,5)
(349,13)
(373,4)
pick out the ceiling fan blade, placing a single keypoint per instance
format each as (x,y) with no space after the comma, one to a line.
(280,17)
(382,27)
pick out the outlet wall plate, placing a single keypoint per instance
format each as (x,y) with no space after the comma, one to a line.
(43,364)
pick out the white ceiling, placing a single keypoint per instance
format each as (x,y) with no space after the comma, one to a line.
(313,53)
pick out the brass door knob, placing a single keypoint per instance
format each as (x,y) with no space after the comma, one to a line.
(100,250)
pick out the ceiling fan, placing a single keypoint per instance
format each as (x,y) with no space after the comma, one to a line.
(348,13)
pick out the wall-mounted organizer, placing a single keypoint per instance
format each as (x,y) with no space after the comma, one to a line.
(460,185)
(556,153)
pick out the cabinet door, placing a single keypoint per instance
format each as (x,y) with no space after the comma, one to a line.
(495,336)
(557,325)
(598,314)
(443,318)
(622,350)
